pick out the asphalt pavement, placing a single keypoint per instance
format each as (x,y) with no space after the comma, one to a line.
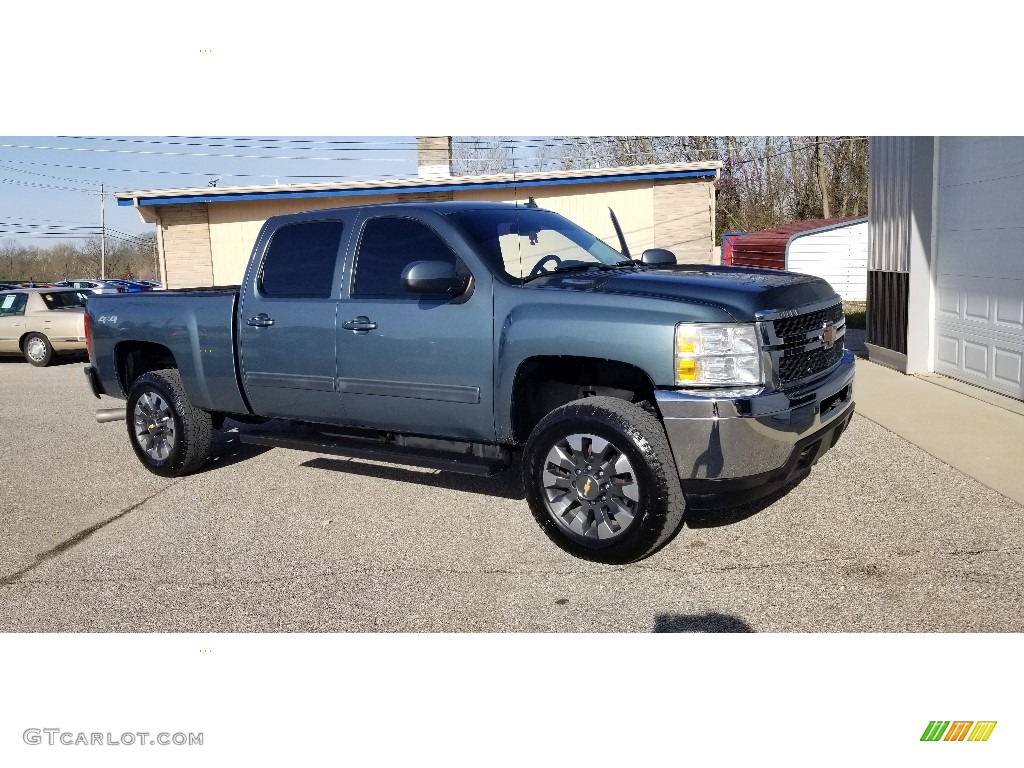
(881,537)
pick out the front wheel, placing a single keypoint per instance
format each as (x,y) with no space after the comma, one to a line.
(600,480)
(170,436)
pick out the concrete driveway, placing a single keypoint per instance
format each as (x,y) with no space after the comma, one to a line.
(882,537)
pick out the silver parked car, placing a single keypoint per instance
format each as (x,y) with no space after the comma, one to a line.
(40,322)
(93,286)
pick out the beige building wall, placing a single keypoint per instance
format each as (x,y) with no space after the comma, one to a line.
(588,206)
(678,216)
(187,256)
(234,228)
(684,220)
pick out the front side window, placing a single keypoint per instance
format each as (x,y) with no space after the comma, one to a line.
(387,247)
(300,261)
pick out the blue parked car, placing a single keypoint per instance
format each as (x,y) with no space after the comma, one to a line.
(131,286)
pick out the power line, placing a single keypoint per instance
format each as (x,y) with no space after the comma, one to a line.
(19,183)
(169,173)
(200,154)
(125,236)
(323,145)
(45,221)
(46,175)
(47,227)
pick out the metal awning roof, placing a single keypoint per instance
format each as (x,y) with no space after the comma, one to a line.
(666,171)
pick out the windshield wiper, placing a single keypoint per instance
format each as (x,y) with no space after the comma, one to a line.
(577,268)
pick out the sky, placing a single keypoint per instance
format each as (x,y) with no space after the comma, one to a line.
(50,185)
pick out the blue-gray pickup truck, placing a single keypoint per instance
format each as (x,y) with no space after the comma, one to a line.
(457,336)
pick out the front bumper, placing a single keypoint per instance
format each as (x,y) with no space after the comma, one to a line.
(750,444)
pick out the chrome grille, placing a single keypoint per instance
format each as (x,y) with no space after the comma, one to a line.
(797,346)
(800,365)
(812,321)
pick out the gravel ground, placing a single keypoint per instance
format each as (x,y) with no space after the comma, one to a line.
(881,537)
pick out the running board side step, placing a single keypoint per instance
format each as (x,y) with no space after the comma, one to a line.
(463,463)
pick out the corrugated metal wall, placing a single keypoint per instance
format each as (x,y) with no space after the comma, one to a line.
(837,255)
(889,176)
(890,165)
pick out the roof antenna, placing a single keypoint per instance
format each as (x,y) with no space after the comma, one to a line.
(531,203)
(618,231)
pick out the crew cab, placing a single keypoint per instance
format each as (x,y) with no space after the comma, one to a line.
(459,335)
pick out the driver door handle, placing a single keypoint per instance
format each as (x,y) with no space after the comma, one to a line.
(361,323)
(262,320)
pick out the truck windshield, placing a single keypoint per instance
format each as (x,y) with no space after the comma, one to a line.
(522,242)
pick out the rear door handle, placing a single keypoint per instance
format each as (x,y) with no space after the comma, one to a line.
(361,323)
(262,320)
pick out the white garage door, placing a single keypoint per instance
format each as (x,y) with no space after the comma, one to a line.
(979,318)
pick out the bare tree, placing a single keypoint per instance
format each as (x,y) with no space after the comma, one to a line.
(765,181)
(9,249)
(819,166)
(130,256)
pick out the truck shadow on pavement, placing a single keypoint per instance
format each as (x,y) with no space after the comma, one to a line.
(227,450)
(507,484)
(700,622)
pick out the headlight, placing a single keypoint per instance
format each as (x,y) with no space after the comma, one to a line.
(717,355)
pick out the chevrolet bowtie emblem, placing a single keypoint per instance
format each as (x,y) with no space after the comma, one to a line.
(828,335)
(586,487)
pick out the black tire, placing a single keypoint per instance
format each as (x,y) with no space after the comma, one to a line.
(584,500)
(38,350)
(170,436)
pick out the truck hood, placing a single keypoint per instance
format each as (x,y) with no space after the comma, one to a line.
(740,291)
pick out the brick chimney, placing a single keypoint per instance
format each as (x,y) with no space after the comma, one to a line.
(434,156)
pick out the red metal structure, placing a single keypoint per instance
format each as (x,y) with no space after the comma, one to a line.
(767,248)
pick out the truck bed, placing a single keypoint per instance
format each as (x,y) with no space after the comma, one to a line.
(196,326)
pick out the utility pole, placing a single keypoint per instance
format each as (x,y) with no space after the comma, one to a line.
(103,235)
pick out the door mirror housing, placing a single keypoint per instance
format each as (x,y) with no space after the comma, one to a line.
(433,277)
(657,256)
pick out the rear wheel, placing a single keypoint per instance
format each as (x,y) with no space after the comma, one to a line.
(170,436)
(38,350)
(600,480)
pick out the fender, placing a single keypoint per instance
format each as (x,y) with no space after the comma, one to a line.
(635,330)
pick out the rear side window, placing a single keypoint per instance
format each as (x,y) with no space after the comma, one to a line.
(300,260)
(387,247)
(63,299)
(13,304)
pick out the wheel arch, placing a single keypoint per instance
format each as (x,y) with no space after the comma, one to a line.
(135,358)
(25,335)
(23,344)
(545,382)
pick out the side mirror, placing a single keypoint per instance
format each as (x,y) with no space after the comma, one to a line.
(433,277)
(657,256)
